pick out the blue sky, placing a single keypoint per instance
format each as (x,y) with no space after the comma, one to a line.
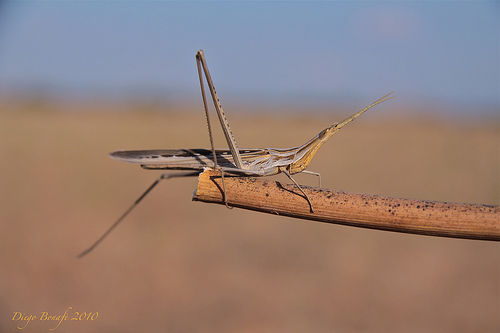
(444,52)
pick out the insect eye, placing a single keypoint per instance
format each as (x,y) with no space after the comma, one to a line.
(322,134)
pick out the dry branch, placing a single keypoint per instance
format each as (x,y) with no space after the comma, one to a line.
(359,210)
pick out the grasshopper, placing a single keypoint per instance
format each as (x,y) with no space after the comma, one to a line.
(251,162)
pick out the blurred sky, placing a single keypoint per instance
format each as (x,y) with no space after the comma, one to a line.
(444,52)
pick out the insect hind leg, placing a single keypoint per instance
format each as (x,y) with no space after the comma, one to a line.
(136,202)
(224,195)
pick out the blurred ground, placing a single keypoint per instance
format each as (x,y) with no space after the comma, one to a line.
(178,266)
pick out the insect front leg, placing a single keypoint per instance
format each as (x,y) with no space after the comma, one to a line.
(314,174)
(283,169)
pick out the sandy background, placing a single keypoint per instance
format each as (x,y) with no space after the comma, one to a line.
(179,266)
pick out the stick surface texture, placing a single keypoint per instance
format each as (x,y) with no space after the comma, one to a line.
(433,218)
